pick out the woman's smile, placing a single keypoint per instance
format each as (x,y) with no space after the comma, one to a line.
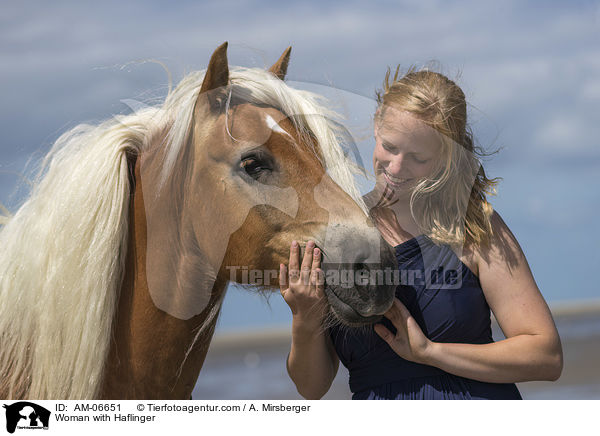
(396,182)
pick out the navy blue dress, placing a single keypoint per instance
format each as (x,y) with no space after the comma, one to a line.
(447,301)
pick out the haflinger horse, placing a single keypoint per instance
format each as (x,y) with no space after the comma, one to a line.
(113,271)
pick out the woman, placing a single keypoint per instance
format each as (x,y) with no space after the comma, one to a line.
(435,341)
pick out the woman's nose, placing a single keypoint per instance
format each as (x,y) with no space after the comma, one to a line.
(396,165)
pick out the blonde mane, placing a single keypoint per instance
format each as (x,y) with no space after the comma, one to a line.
(63,252)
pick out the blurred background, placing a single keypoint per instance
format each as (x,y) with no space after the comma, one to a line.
(530,71)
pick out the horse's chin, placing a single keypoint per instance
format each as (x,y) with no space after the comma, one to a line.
(344,312)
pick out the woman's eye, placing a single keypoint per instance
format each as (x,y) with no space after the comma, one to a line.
(421,161)
(387,147)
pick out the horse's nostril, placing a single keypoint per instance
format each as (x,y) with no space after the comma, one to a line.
(360,267)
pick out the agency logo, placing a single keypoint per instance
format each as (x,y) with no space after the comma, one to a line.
(26,415)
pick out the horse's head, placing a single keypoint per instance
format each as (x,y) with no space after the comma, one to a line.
(254,178)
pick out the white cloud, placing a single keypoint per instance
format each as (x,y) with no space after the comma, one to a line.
(566,133)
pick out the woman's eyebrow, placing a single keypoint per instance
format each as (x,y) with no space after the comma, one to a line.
(391,145)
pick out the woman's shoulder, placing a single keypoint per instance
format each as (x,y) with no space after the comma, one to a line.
(502,246)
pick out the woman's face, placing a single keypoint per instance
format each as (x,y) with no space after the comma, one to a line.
(406,150)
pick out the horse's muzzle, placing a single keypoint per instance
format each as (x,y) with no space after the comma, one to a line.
(360,291)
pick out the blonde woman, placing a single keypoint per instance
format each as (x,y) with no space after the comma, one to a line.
(462,260)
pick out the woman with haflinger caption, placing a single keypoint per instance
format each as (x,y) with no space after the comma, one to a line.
(458,260)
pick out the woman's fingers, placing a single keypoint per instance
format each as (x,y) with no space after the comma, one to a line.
(317,281)
(282,277)
(384,333)
(397,314)
(316,259)
(307,262)
(302,284)
(294,261)
(302,273)
(317,278)
(320,282)
(404,312)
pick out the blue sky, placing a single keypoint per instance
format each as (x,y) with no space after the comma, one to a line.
(530,70)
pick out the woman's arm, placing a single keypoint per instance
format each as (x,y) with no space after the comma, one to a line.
(532,350)
(312,363)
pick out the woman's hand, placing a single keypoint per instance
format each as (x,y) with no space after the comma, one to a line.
(302,288)
(409,342)
(312,363)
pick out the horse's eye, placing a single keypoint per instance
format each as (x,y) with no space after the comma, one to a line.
(254,166)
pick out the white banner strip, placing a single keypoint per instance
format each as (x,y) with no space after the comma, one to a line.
(284,418)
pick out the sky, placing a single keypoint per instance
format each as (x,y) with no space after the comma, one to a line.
(530,71)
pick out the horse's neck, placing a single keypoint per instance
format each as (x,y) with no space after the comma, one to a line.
(149,349)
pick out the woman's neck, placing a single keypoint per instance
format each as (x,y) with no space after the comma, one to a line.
(394,220)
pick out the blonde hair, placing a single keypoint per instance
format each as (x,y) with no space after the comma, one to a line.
(451,207)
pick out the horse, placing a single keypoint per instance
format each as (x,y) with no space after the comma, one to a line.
(114,269)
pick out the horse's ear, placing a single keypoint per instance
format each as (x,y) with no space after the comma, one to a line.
(217,74)
(279,68)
